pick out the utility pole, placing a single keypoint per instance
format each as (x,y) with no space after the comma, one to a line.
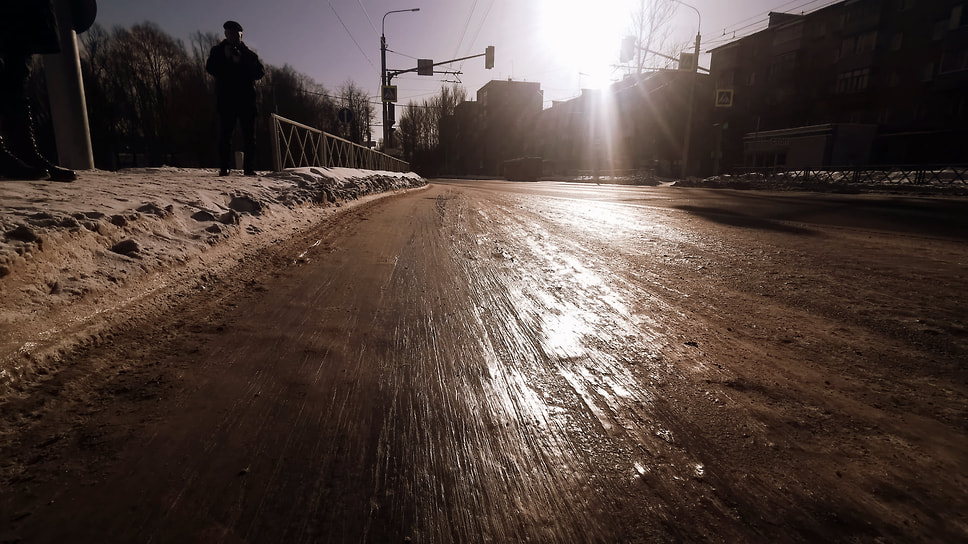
(692,94)
(384,82)
(425,67)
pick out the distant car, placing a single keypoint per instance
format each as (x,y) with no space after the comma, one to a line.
(523,169)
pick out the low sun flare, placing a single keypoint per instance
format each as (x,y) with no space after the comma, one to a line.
(584,36)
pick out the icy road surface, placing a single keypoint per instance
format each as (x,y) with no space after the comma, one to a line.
(499,362)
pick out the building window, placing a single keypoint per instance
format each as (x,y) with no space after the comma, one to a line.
(928,73)
(751,79)
(920,112)
(954,60)
(788,34)
(866,42)
(783,64)
(897,41)
(853,81)
(848,46)
(957,18)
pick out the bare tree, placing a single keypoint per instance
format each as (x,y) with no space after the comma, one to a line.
(420,128)
(150,101)
(358,102)
(651,30)
(201,44)
(297,96)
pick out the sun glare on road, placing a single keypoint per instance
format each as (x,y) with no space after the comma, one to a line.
(585,35)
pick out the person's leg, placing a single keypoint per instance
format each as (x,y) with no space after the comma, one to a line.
(227,119)
(14,71)
(248,145)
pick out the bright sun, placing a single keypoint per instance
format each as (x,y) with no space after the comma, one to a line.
(585,36)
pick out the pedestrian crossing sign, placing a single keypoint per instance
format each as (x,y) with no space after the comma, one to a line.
(724,98)
(389,93)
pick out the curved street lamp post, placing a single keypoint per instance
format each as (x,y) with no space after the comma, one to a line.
(387,106)
(692,92)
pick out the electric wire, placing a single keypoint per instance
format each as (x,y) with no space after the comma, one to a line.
(477,33)
(481,25)
(467,22)
(367,14)
(762,19)
(340,19)
(340,98)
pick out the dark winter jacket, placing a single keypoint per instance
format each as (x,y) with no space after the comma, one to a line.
(234,79)
(28,27)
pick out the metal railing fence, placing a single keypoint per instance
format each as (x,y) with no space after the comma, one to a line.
(296,145)
(898,175)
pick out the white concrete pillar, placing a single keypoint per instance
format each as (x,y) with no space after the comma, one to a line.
(67,103)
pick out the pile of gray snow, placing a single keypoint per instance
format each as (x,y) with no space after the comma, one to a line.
(72,251)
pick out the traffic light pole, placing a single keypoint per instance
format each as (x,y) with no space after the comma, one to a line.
(692,94)
(383,83)
(384,80)
(388,76)
(692,105)
(394,73)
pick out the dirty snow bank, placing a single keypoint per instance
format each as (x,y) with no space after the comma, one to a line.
(70,252)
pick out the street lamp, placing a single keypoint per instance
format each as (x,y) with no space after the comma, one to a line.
(383,77)
(692,91)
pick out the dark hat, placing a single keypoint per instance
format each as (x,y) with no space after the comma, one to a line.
(83,13)
(232,25)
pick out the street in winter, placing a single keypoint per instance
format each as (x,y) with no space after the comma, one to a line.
(449,271)
(487,361)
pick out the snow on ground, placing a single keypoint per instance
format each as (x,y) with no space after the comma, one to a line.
(70,252)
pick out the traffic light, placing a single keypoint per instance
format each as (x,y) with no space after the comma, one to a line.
(489,57)
(627,52)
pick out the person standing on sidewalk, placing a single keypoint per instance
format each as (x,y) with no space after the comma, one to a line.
(236,68)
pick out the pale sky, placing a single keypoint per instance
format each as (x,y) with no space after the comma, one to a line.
(563,44)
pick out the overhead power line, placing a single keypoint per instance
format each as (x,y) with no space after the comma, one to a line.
(759,22)
(478,31)
(338,18)
(375,33)
(467,22)
(481,25)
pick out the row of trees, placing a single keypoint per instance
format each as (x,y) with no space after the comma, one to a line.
(419,129)
(150,101)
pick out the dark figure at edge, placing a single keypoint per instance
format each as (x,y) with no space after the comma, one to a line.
(236,69)
(27,27)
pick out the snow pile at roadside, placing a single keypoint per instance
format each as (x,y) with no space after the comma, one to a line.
(72,250)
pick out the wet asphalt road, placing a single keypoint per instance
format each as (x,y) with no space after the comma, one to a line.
(500,362)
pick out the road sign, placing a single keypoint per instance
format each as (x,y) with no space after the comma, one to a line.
(345,115)
(425,67)
(687,61)
(724,98)
(389,93)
